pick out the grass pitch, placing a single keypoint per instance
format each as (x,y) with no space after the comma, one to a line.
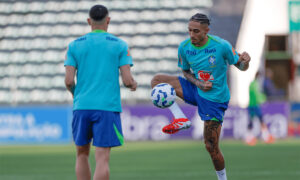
(167,160)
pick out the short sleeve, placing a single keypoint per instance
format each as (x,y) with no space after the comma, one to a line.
(125,56)
(182,62)
(230,54)
(70,58)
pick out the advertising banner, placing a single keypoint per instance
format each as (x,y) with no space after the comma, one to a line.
(35,125)
(294,124)
(145,122)
(52,125)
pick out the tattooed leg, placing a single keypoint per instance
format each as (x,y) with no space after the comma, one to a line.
(212,131)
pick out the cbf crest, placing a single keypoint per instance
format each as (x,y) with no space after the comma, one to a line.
(212,61)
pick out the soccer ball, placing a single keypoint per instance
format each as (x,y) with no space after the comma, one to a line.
(163,95)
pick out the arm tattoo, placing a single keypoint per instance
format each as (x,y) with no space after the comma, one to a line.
(191,77)
(242,65)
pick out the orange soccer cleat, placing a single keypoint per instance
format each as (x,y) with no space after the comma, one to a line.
(251,140)
(270,139)
(176,125)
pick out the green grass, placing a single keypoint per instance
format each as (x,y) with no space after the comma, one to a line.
(168,160)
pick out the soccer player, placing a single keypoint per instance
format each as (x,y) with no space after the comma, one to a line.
(97,58)
(204,60)
(256,98)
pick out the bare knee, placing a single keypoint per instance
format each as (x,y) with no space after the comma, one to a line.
(211,147)
(208,147)
(102,154)
(83,150)
(158,78)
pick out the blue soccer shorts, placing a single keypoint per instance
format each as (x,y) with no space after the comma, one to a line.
(103,127)
(207,110)
(255,111)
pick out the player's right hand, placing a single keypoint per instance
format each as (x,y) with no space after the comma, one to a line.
(133,86)
(204,85)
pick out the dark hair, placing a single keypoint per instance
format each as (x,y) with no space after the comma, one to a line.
(202,18)
(98,12)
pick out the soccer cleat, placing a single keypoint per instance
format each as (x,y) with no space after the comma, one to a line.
(270,139)
(176,125)
(266,136)
(251,140)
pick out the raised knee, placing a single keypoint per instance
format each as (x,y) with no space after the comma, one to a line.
(156,80)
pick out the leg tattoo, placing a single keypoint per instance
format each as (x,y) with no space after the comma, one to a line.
(212,131)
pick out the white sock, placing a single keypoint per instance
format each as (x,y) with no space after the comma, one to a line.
(176,111)
(222,174)
(249,135)
(265,134)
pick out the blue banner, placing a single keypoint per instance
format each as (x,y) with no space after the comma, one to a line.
(49,124)
(52,124)
(295,111)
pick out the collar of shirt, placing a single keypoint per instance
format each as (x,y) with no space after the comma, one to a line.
(99,31)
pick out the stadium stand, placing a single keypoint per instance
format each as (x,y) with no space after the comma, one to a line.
(34,36)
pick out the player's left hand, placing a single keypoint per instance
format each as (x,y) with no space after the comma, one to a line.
(244,57)
(243,62)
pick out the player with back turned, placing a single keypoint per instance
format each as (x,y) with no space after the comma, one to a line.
(204,61)
(97,58)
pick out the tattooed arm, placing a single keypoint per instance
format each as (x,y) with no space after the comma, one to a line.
(203,85)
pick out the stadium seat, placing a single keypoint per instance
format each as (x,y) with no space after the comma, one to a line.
(34,36)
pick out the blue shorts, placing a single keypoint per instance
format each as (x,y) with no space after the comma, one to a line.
(207,110)
(104,127)
(254,111)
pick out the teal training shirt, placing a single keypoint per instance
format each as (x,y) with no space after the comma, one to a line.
(209,62)
(97,56)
